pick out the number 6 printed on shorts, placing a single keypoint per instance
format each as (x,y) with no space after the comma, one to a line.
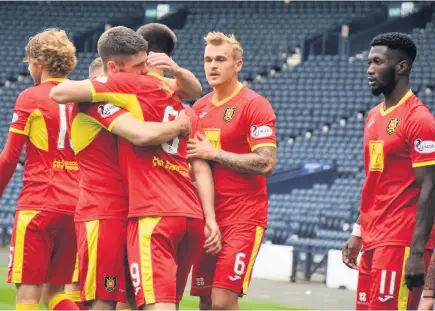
(239,267)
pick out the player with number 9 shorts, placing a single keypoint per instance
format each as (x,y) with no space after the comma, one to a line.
(165,217)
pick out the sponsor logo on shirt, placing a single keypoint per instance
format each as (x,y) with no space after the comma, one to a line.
(392,125)
(106,110)
(261,131)
(14,117)
(424,146)
(65,165)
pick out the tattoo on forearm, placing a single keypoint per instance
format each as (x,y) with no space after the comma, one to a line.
(260,162)
(429,283)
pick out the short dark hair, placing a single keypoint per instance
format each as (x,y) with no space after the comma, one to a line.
(97,64)
(161,39)
(397,41)
(119,42)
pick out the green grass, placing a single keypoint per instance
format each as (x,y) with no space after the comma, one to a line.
(7,299)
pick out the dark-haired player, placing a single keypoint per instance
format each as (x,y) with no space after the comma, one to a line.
(165,217)
(398,195)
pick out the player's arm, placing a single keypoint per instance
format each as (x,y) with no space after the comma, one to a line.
(185,83)
(420,132)
(425,177)
(427,302)
(352,247)
(204,180)
(260,131)
(72,91)
(10,157)
(150,133)
(18,134)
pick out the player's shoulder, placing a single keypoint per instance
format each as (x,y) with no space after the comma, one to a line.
(375,111)
(251,97)
(203,101)
(32,95)
(416,109)
(131,81)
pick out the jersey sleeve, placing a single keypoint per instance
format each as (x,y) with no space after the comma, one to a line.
(105,114)
(111,89)
(23,113)
(260,121)
(420,136)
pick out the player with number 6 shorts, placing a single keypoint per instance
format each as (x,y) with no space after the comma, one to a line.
(239,129)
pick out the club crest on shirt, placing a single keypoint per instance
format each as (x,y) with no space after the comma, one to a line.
(110,283)
(229,114)
(392,125)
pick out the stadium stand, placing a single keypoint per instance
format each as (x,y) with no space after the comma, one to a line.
(320,104)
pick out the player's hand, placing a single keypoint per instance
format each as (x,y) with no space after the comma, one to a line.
(163,61)
(414,271)
(186,127)
(212,244)
(426,304)
(201,149)
(350,252)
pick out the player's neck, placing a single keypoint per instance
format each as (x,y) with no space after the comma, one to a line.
(393,98)
(225,90)
(46,76)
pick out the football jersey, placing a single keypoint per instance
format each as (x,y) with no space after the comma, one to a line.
(157,176)
(51,173)
(102,192)
(395,141)
(239,124)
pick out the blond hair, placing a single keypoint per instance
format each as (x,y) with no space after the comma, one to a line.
(218,38)
(96,66)
(52,48)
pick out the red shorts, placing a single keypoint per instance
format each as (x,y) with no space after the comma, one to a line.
(75,278)
(102,259)
(43,248)
(161,251)
(232,267)
(381,281)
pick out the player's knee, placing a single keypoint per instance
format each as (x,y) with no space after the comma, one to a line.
(205,303)
(29,294)
(49,291)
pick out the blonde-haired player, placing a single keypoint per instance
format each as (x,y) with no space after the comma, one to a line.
(240,142)
(43,244)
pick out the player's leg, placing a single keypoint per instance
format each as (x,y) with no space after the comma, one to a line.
(29,257)
(102,245)
(152,243)
(62,263)
(364,281)
(73,290)
(187,254)
(203,272)
(241,244)
(388,290)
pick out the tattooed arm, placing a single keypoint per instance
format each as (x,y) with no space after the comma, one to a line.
(261,161)
(429,284)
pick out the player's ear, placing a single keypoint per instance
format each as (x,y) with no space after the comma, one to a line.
(112,67)
(239,65)
(402,67)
